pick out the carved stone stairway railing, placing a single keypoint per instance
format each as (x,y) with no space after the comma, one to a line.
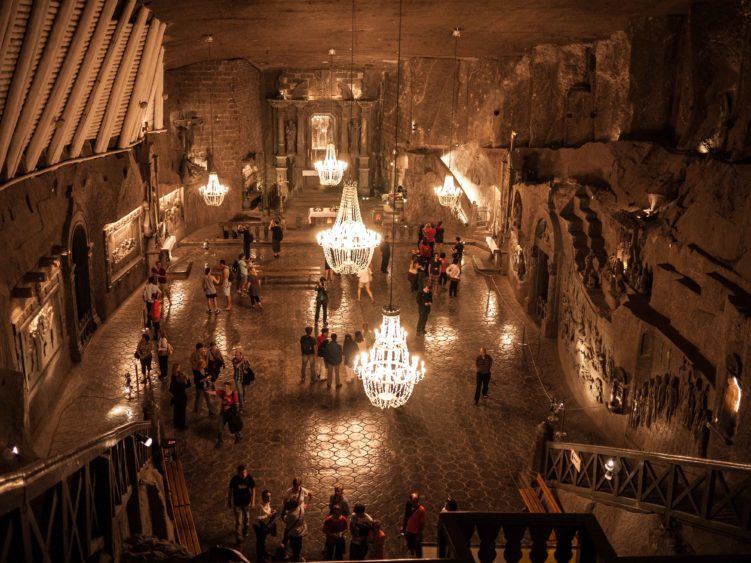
(710,494)
(65,508)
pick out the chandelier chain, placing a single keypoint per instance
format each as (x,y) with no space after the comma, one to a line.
(454,90)
(396,152)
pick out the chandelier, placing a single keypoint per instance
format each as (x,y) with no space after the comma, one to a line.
(330,170)
(448,194)
(213,192)
(388,374)
(348,245)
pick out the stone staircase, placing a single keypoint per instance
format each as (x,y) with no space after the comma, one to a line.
(585,228)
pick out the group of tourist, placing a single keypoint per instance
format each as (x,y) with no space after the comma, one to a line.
(323,356)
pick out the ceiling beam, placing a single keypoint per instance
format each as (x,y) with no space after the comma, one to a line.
(62,84)
(35,97)
(8,10)
(159,94)
(21,75)
(118,86)
(96,92)
(65,124)
(142,86)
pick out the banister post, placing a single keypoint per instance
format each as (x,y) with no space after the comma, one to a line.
(543,435)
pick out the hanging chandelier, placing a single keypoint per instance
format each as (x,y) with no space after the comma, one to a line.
(449,193)
(330,169)
(214,191)
(388,373)
(348,245)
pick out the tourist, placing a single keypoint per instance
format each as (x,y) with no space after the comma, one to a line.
(215,362)
(444,265)
(144,354)
(458,253)
(295,528)
(150,292)
(334,527)
(198,364)
(265,525)
(483,363)
(350,349)
(376,541)
(328,273)
(247,241)
(209,289)
(363,282)
(241,498)
(254,288)
(337,497)
(178,385)
(426,251)
(322,301)
(449,506)
(360,526)
(307,353)
(156,316)
(277,235)
(424,302)
(439,234)
(160,273)
(322,343)
(163,351)
(428,236)
(420,234)
(224,280)
(413,525)
(359,340)
(242,274)
(230,404)
(434,270)
(333,360)
(241,369)
(414,266)
(453,272)
(298,493)
(385,254)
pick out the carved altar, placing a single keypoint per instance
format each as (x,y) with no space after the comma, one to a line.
(172,213)
(123,245)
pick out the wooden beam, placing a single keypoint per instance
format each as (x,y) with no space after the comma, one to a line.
(35,96)
(151,88)
(8,10)
(156,90)
(62,84)
(21,75)
(118,86)
(159,95)
(75,99)
(96,92)
(151,97)
(142,85)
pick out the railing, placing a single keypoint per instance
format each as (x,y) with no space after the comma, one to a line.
(62,509)
(710,494)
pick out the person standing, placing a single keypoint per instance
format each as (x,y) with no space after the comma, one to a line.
(453,272)
(322,343)
(215,361)
(439,233)
(277,235)
(240,366)
(334,528)
(230,403)
(163,351)
(322,301)
(295,528)
(333,360)
(363,282)
(160,273)
(150,292)
(434,270)
(385,255)
(226,284)
(360,526)
(350,350)
(483,363)
(156,316)
(444,265)
(338,498)
(247,241)
(242,274)
(458,253)
(209,290)
(414,524)
(376,540)
(298,492)
(449,506)
(307,353)
(178,385)
(265,525)
(428,235)
(414,266)
(198,364)
(241,498)
(424,302)
(144,354)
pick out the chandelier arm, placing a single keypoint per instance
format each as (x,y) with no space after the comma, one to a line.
(396,152)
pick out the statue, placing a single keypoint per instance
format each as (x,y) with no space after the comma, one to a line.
(590,275)
(290,130)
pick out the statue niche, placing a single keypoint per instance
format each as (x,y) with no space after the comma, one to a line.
(321,131)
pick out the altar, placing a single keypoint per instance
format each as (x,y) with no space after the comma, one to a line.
(318,215)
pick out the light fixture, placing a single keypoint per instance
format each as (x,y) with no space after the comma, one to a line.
(388,373)
(449,193)
(214,191)
(144,439)
(330,169)
(610,466)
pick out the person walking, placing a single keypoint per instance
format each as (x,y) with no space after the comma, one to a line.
(350,350)
(322,301)
(230,403)
(439,234)
(333,360)
(307,353)
(385,254)
(414,266)
(334,528)
(264,525)
(338,498)
(277,235)
(360,526)
(428,235)
(322,343)
(363,282)
(200,380)
(163,351)
(414,524)
(254,288)
(215,361)
(242,274)
(295,528)
(454,273)
(226,284)
(144,355)
(241,368)
(458,252)
(156,316)
(178,385)
(241,497)
(434,270)
(209,289)
(444,265)
(298,492)
(160,273)
(150,292)
(483,363)
(424,302)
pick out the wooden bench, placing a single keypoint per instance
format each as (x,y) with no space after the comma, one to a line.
(308,275)
(547,496)
(539,499)
(179,502)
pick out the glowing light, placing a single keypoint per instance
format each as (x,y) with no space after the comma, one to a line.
(213,192)
(330,170)
(448,194)
(15,451)
(736,388)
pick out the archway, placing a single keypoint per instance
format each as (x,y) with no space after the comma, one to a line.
(81,276)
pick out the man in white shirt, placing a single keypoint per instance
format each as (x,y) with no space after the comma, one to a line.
(298,492)
(454,272)
(264,525)
(150,293)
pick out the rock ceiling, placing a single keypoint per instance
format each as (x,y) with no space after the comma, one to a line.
(298,33)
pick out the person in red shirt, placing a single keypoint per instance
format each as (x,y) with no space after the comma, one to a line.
(321,343)
(156,316)
(229,408)
(334,526)
(428,234)
(414,524)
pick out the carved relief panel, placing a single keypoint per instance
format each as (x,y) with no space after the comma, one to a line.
(123,245)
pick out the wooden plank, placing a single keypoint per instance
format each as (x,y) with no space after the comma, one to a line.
(144,80)
(109,59)
(159,95)
(39,83)
(118,86)
(531,501)
(21,75)
(547,494)
(155,85)
(62,85)
(8,9)
(75,99)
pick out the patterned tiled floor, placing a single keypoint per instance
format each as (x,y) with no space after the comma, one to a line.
(438,444)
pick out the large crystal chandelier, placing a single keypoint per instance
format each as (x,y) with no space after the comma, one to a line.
(214,191)
(388,374)
(449,193)
(330,169)
(348,245)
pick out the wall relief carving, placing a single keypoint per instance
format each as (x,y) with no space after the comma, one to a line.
(172,211)
(123,245)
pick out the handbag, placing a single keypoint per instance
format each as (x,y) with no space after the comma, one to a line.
(249,376)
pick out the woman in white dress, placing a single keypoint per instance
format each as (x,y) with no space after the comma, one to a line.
(363,282)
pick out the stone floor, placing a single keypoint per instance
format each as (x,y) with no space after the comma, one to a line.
(439,443)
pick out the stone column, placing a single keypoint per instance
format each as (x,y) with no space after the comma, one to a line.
(363,160)
(302,149)
(280,159)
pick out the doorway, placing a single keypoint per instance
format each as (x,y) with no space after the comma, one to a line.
(81,277)
(541,286)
